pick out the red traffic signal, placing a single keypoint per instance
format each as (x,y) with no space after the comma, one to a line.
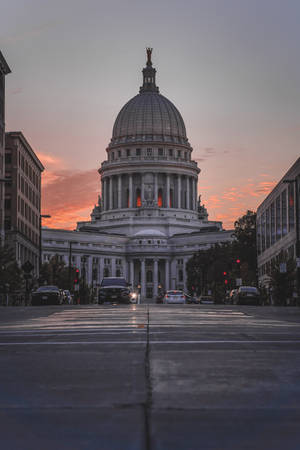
(224,273)
(76,279)
(238,261)
(226,281)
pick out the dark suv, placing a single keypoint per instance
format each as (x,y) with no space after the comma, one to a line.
(114,289)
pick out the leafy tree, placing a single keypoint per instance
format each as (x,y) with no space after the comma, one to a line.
(244,247)
(283,284)
(10,273)
(56,272)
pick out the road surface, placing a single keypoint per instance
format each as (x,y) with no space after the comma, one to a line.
(150,377)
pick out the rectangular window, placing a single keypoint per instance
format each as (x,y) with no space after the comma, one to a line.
(268,228)
(160,152)
(128,151)
(258,235)
(273,234)
(284,212)
(278,219)
(170,152)
(119,153)
(138,152)
(7,158)
(291,206)
(179,153)
(263,232)
(149,151)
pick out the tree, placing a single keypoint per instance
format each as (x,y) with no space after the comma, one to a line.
(244,247)
(283,283)
(10,273)
(56,272)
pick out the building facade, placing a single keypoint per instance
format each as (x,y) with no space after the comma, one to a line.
(149,220)
(4,70)
(22,199)
(277,223)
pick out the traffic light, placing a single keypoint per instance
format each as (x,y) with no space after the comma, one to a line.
(238,261)
(225,275)
(76,279)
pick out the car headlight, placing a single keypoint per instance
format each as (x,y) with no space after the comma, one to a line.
(134,295)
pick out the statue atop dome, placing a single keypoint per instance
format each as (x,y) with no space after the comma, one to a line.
(149,53)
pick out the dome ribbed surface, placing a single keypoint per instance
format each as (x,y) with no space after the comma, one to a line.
(149,116)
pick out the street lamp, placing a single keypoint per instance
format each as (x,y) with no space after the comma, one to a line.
(42,216)
(295,181)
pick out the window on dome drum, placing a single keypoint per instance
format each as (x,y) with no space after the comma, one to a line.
(128,152)
(127,198)
(112,156)
(170,152)
(160,198)
(149,276)
(160,152)
(179,153)
(138,152)
(149,151)
(138,198)
(119,153)
(184,155)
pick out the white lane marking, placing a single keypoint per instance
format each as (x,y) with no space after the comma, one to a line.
(151,343)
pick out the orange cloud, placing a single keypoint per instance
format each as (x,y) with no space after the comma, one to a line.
(69,197)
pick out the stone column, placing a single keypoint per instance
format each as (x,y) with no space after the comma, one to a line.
(130,191)
(131,272)
(113,267)
(185,260)
(179,192)
(195,194)
(168,190)
(125,270)
(155,278)
(167,275)
(155,189)
(89,268)
(142,189)
(119,191)
(143,279)
(110,192)
(104,194)
(173,274)
(101,268)
(189,204)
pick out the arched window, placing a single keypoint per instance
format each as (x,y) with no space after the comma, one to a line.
(149,276)
(138,198)
(180,275)
(160,198)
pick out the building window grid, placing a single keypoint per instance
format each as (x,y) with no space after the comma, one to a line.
(284,212)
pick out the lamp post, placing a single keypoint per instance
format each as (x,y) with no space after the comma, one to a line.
(295,182)
(42,216)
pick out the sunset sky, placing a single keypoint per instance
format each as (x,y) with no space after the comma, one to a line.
(231,67)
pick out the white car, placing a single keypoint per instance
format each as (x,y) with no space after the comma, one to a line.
(174,297)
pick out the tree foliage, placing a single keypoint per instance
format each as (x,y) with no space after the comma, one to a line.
(10,273)
(218,267)
(55,272)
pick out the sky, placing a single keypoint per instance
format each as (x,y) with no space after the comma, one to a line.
(231,67)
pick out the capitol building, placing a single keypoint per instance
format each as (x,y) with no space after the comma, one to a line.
(149,219)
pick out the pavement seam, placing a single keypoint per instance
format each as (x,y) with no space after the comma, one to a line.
(148,402)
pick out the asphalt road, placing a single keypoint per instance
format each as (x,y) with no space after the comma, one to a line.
(149,377)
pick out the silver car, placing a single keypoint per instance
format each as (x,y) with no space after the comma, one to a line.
(174,297)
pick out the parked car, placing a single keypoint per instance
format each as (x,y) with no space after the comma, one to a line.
(206,300)
(47,295)
(247,295)
(191,299)
(174,297)
(115,289)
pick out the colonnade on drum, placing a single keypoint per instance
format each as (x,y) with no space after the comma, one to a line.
(162,189)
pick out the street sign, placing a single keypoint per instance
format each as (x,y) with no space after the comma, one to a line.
(27,267)
(282,267)
(238,282)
